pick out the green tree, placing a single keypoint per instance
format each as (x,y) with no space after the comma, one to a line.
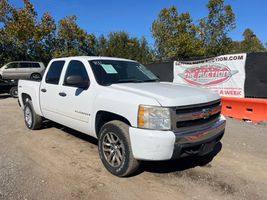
(251,43)
(22,36)
(72,40)
(236,47)
(120,44)
(176,36)
(216,26)
(5,12)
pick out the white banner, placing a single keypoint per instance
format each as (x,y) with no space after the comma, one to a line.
(223,74)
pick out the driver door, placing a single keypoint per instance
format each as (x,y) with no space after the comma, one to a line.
(76,103)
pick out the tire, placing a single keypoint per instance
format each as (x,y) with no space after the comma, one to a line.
(32,120)
(36,76)
(14,92)
(206,159)
(114,143)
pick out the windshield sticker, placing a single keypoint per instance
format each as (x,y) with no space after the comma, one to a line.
(97,62)
(109,69)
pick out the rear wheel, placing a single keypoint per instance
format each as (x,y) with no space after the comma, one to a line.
(36,76)
(115,149)
(32,120)
(14,92)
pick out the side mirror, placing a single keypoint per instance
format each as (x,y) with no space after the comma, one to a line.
(77,81)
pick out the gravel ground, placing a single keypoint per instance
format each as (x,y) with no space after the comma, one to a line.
(59,163)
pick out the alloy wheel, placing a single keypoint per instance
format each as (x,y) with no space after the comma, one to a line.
(113,149)
(28,116)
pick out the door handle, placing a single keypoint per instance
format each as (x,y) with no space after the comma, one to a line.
(63,94)
(43,90)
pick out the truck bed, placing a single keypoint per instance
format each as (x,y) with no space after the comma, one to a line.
(31,88)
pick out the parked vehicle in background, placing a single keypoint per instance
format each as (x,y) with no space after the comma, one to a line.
(133,115)
(10,87)
(22,70)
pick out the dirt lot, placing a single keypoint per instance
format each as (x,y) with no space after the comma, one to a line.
(58,163)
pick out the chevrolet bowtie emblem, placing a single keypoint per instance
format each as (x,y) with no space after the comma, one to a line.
(206,113)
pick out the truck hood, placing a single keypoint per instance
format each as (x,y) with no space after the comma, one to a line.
(169,94)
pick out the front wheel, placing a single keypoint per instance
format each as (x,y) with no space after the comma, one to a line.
(115,149)
(32,120)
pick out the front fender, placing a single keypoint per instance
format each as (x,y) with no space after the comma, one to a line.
(121,103)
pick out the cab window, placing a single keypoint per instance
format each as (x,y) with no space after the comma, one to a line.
(54,72)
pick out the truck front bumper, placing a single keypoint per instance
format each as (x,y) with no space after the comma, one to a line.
(166,145)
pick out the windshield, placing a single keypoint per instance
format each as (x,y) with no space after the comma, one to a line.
(109,72)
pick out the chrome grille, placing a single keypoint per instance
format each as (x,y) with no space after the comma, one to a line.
(196,115)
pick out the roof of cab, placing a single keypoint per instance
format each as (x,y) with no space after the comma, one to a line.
(92,58)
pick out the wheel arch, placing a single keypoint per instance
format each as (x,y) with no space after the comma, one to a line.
(103,117)
(25,97)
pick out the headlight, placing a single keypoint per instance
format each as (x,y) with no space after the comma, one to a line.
(153,117)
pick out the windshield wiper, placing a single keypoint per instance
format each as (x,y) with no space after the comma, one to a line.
(152,80)
(135,81)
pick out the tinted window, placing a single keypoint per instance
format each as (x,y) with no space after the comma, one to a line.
(76,68)
(35,65)
(12,65)
(114,71)
(54,72)
(24,65)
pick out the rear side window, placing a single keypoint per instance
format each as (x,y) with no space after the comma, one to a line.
(24,65)
(29,65)
(54,72)
(75,68)
(35,65)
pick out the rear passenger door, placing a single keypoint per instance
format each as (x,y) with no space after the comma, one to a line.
(24,70)
(34,68)
(50,101)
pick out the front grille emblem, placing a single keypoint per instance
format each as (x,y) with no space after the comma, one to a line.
(206,113)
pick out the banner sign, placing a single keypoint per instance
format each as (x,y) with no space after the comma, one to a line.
(223,74)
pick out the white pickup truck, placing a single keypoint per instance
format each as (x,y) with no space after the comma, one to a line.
(133,115)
